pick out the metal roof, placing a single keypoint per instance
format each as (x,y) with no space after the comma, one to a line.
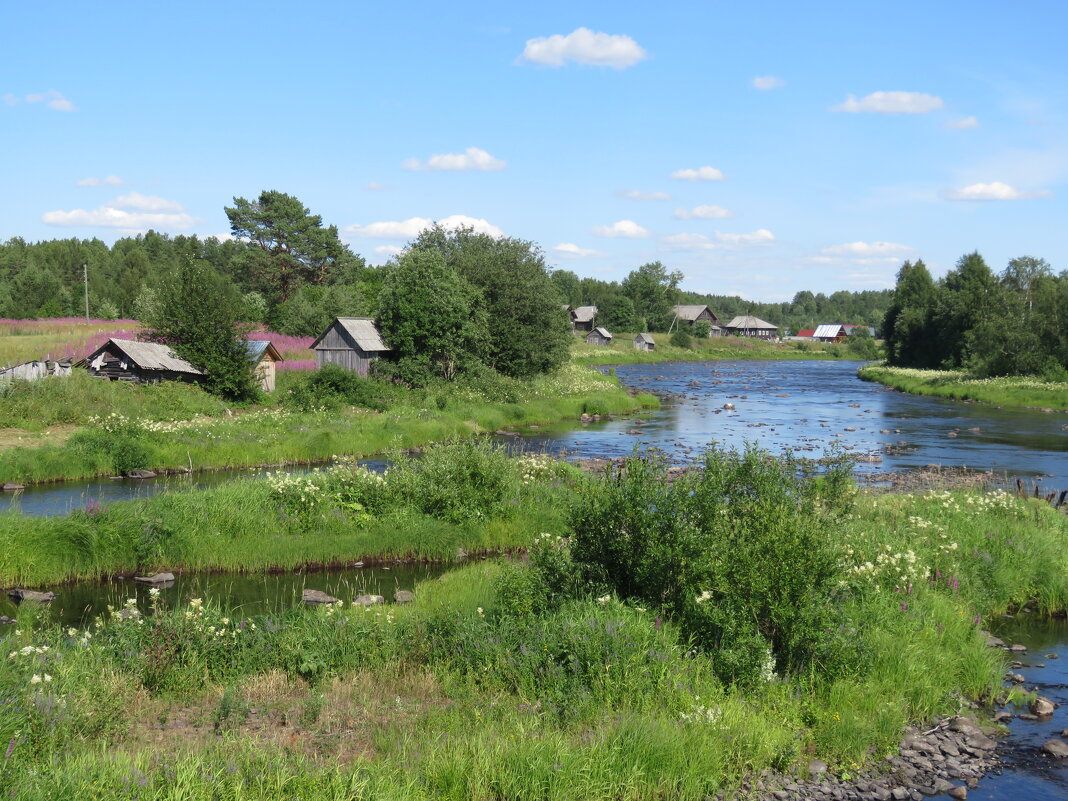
(257,347)
(748,322)
(690,313)
(828,330)
(149,356)
(603,332)
(584,314)
(645,338)
(362,330)
(807,332)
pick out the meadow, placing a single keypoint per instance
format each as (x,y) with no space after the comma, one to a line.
(1010,391)
(602,665)
(621,350)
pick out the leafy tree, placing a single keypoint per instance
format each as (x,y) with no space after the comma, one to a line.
(431,317)
(619,314)
(528,331)
(862,345)
(907,326)
(197,313)
(311,309)
(569,287)
(652,290)
(290,245)
(968,296)
(702,329)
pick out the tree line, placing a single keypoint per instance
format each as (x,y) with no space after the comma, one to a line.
(1014,323)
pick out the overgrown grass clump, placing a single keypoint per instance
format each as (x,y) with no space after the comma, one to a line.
(621,350)
(628,657)
(1019,391)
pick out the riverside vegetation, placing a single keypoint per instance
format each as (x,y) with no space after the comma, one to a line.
(665,638)
(1019,391)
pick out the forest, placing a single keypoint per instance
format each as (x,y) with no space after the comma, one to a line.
(295,274)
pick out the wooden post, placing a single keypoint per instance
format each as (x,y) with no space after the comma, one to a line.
(85,279)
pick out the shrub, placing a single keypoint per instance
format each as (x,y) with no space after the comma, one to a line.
(123,450)
(702,329)
(681,339)
(332,386)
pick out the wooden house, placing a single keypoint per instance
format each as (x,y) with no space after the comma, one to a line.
(691,314)
(264,355)
(139,362)
(598,336)
(746,325)
(582,318)
(349,342)
(644,342)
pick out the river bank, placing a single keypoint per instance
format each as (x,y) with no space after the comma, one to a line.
(1011,391)
(542,688)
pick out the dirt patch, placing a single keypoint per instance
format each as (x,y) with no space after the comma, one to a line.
(18,438)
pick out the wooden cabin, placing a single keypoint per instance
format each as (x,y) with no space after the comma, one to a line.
(644,342)
(264,355)
(139,362)
(582,318)
(349,342)
(746,325)
(691,314)
(599,336)
(31,371)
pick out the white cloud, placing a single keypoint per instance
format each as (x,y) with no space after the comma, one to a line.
(388,250)
(471,159)
(53,99)
(995,190)
(583,46)
(638,194)
(111,217)
(703,213)
(863,249)
(624,229)
(891,103)
(375,186)
(700,174)
(718,240)
(139,202)
(765,82)
(963,124)
(10,100)
(573,251)
(413,226)
(110,180)
(227,237)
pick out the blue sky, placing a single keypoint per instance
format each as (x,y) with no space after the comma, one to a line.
(761,148)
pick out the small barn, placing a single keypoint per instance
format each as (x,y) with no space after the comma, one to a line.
(139,362)
(31,371)
(582,318)
(644,342)
(691,314)
(830,332)
(746,325)
(264,355)
(599,336)
(351,343)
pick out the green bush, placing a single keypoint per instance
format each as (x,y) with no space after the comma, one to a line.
(702,329)
(681,339)
(332,386)
(122,450)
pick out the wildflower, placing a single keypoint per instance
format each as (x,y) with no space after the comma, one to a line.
(704,596)
(35,679)
(480,612)
(47,678)
(154,593)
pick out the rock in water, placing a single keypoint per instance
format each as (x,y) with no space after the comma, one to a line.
(18,596)
(12,486)
(368,600)
(158,578)
(1043,707)
(317,597)
(403,597)
(141,474)
(1058,749)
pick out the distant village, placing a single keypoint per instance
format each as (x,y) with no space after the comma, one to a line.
(354,343)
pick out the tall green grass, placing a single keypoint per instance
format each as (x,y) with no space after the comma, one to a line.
(622,351)
(1011,391)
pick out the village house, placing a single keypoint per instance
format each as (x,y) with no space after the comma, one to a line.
(746,325)
(599,336)
(582,318)
(351,343)
(138,362)
(644,342)
(838,332)
(692,314)
(265,357)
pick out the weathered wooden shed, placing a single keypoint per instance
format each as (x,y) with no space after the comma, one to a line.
(746,325)
(349,342)
(697,313)
(139,362)
(644,342)
(31,371)
(264,355)
(582,318)
(599,336)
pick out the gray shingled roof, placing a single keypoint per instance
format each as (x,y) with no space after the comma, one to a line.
(690,313)
(603,332)
(584,314)
(151,356)
(646,338)
(748,322)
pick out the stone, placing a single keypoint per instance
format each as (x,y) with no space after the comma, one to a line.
(317,597)
(728,406)
(368,600)
(1058,749)
(12,486)
(1015,678)
(994,642)
(899,794)
(5,620)
(816,767)
(1001,716)
(403,597)
(18,596)
(1043,707)
(880,794)
(1016,648)
(141,474)
(158,578)
(980,742)
(959,792)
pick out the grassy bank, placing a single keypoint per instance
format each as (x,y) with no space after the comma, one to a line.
(175,427)
(622,351)
(515,681)
(1011,391)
